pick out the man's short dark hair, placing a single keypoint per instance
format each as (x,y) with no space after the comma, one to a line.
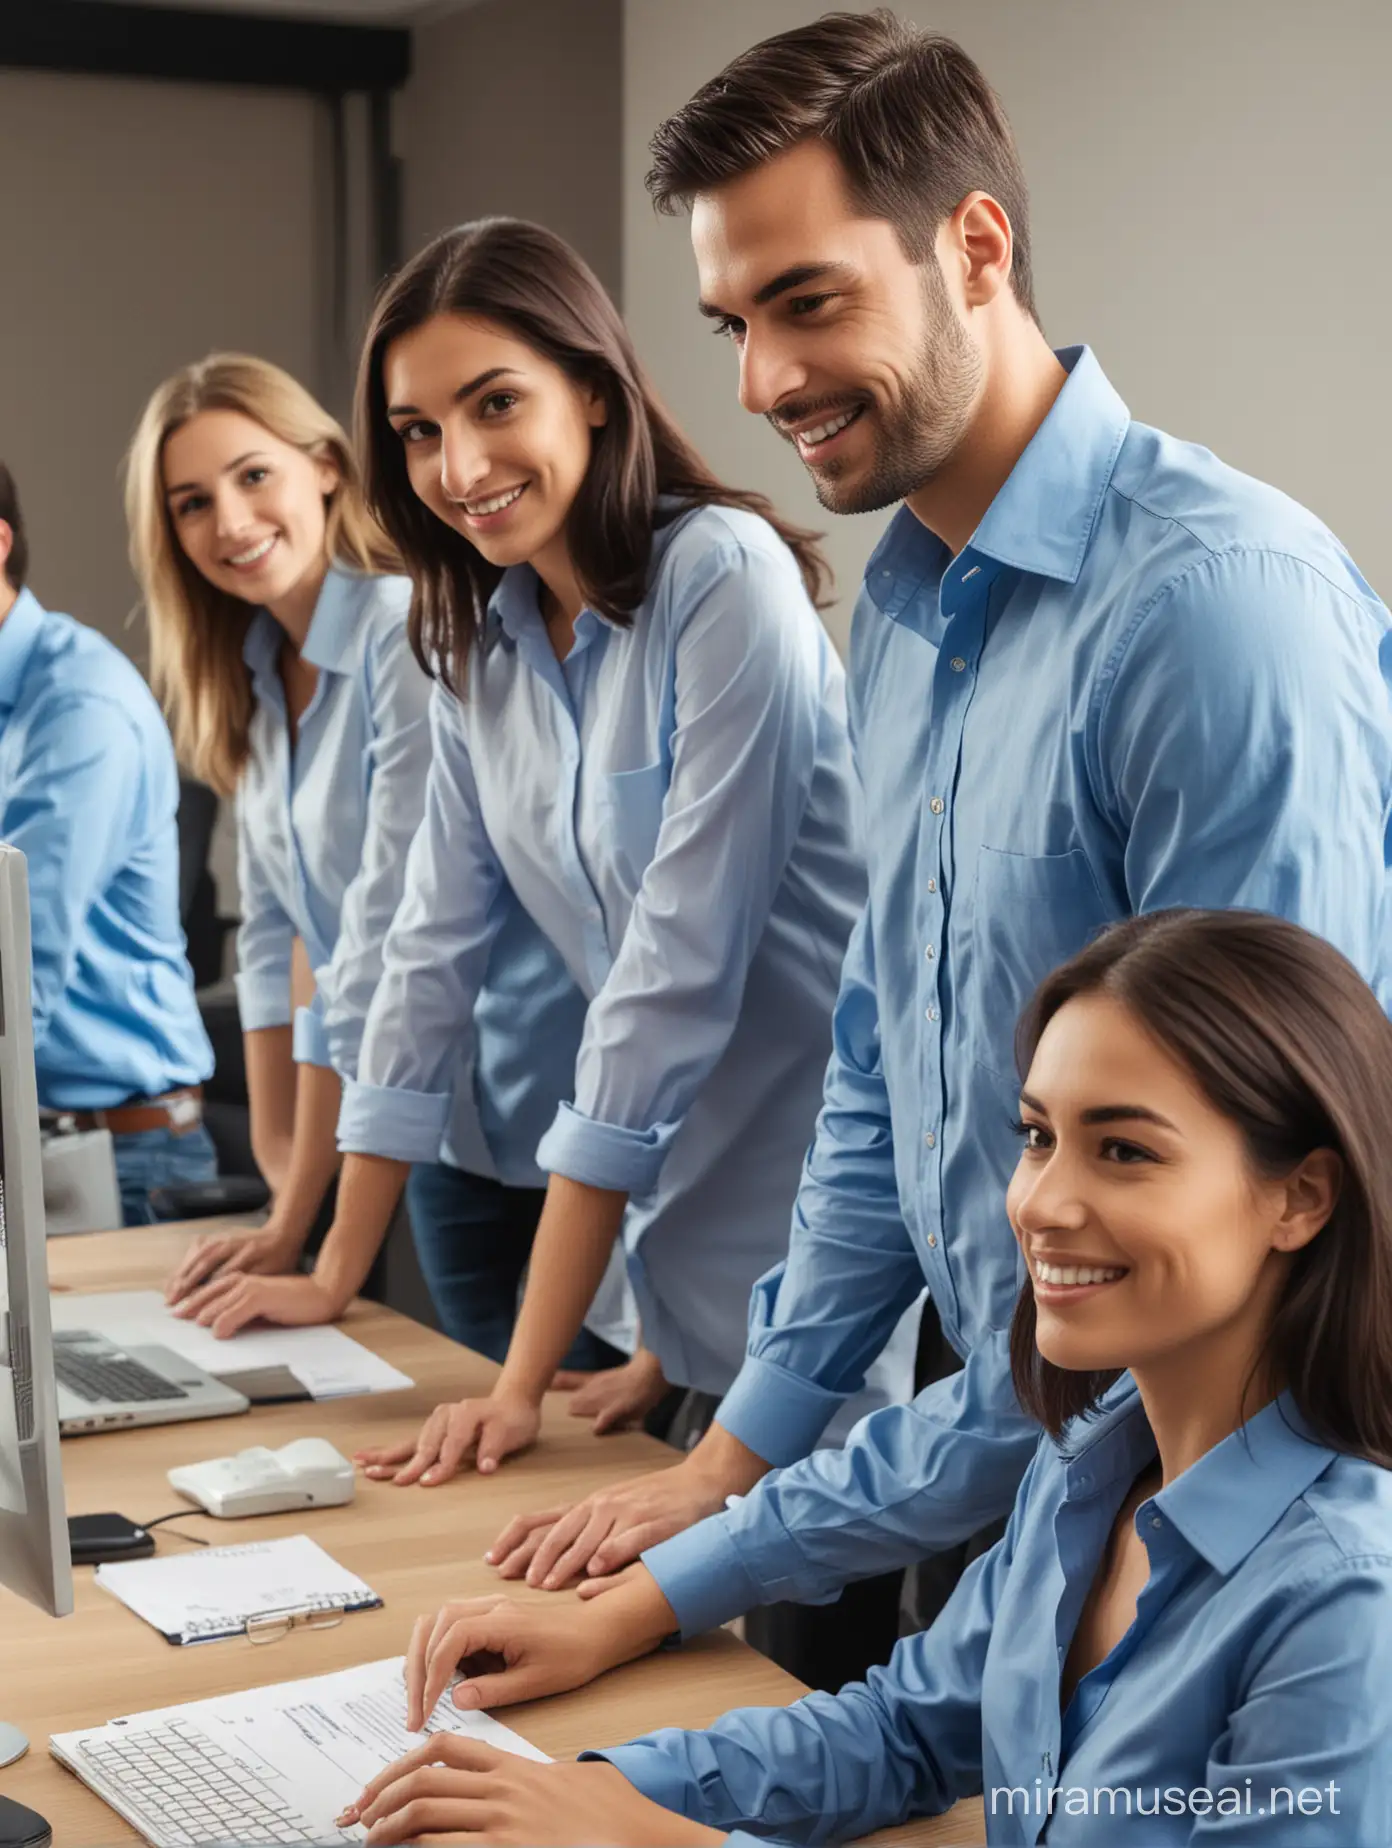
(17,564)
(909,115)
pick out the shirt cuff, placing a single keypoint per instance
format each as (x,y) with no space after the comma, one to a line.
(659,1775)
(604,1155)
(702,1576)
(779,1415)
(311,1043)
(378,1119)
(263,1000)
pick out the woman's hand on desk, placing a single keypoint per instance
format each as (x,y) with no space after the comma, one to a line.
(230,1302)
(481,1431)
(512,1652)
(262,1253)
(616,1398)
(451,1785)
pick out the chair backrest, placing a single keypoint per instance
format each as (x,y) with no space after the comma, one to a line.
(198,913)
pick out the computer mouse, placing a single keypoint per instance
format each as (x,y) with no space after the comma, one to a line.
(307,1473)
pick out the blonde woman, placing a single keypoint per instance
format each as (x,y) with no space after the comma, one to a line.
(278,631)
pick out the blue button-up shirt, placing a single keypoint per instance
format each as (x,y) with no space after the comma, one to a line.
(1249,1702)
(672,806)
(324,831)
(89,793)
(1146,681)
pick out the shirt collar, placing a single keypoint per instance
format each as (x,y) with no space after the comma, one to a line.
(19,633)
(515,608)
(1225,1504)
(332,628)
(1229,1501)
(1043,517)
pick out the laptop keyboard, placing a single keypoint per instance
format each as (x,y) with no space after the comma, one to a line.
(98,1377)
(189,1793)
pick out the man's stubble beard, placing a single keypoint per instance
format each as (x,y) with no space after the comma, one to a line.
(922,434)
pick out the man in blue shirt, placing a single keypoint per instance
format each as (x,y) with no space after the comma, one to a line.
(1094,672)
(89,794)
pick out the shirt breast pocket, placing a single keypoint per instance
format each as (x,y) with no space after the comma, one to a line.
(1030,912)
(632,810)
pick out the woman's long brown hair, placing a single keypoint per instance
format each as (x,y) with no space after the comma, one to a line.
(1288,1042)
(529,281)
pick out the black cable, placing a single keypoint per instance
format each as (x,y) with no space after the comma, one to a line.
(179,1514)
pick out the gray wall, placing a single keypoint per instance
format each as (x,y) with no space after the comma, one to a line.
(515,107)
(1212,191)
(144,224)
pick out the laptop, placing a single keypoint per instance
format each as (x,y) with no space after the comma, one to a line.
(102,1386)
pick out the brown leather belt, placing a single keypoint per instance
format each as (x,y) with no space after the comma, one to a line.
(180,1111)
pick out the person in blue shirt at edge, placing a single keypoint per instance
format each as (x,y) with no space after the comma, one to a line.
(278,620)
(1094,672)
(89,793)
(1183,1635)
(639,737)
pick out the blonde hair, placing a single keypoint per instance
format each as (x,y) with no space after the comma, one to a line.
(197,632)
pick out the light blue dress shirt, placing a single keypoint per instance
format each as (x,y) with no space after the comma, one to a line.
(89,793)
(324,830)
(672,806)
(1250,1701)
(1146,681)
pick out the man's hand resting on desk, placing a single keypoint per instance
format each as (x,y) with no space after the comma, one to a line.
(451,1784)
(230,1301)
(478,1431)
(610,1528)
(512,1652)
(264,1253)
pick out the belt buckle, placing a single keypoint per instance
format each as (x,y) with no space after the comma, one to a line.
(184,1111)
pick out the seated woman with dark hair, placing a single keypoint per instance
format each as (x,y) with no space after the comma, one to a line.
(1184,1635)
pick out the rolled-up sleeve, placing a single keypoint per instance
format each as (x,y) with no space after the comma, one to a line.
(748,703)
(69,811)
(907,1741)
(419,1032)
(397,769)
(264,938)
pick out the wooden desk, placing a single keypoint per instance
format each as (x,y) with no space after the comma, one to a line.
(415,1547)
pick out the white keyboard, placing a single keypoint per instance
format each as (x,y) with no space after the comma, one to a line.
(184,1791)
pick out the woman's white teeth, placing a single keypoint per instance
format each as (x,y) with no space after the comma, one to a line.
(820,432)
(495,505)
(257,551)
(1077,1273)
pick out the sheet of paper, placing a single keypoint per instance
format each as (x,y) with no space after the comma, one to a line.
(317,1742)
(200,1597)
(328,1363)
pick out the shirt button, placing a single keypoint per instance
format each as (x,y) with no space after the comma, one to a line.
(932,885)
(1155,1521)
(936,805)
(930,1013)
(929,951)
(933,1240)
(957,664)
(930,1141)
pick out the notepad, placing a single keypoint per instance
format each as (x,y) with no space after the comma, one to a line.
(205,1597)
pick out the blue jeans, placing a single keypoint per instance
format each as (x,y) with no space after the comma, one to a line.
(473,1237)
(151,1158)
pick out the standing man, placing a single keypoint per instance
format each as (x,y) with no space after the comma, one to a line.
(89,793)
(1094,672)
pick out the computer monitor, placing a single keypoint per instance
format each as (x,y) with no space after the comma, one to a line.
(35,1559)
